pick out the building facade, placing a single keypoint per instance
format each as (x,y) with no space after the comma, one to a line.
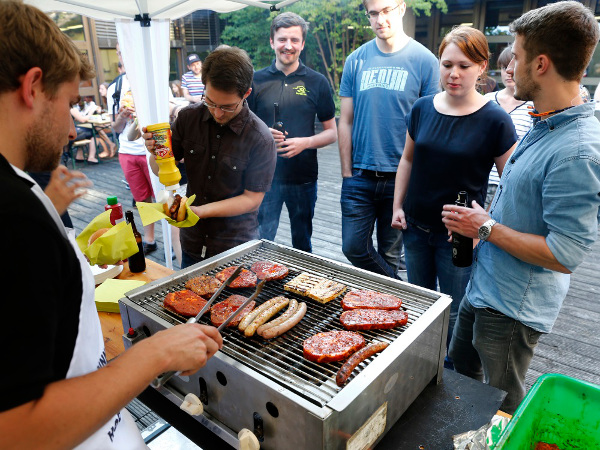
(199,33)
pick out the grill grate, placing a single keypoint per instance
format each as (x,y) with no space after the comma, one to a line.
(281,359)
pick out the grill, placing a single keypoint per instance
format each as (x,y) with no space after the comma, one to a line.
(268,386)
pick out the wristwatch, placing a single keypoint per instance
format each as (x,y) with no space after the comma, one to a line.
(486,229)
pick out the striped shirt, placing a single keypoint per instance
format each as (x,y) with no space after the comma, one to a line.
(522,122)
(192,84)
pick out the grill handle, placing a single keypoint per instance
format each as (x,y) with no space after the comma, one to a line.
(163,378)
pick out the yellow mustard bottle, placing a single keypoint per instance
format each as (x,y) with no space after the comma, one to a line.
(168,173)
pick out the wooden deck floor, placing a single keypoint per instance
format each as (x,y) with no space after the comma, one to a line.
(573,347)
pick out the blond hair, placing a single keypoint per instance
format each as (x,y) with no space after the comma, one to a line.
(29,38)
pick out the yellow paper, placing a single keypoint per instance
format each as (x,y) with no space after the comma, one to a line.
(115,245)
(153,212)
(109,293)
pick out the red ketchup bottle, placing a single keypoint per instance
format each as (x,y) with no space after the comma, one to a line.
(116,213)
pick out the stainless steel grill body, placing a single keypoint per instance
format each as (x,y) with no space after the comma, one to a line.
(269,383)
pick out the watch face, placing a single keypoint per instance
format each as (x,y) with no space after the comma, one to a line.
(484,232)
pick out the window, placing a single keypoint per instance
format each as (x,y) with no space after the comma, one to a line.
(69,23)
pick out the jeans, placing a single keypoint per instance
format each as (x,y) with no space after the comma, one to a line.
(300,202)
(428,256)
(491,347)
(367,201)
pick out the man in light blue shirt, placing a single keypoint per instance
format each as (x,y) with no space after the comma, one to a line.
(544,217)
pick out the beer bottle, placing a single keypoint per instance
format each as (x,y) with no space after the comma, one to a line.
(277,123)
(462,247)
(137,262)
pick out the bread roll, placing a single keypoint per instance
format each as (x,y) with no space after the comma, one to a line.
(96,235)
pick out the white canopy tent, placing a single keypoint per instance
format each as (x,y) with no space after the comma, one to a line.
(143,35)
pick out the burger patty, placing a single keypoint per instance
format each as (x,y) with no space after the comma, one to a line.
(185,302)
(268,270)
(245,279)
(219,312)
(366,299)
(204,285)
(373,319)
(332,346)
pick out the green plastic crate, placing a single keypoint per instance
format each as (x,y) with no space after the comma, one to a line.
(557,410)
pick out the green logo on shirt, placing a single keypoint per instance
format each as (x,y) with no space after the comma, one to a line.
(300,90)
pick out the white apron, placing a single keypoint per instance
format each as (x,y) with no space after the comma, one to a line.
(120,432)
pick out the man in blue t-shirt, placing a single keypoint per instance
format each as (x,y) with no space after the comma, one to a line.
(380,82)
(301,94)
(191,82)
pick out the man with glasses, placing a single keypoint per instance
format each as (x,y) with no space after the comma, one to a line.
(380,82)
(302,95)
(229,156)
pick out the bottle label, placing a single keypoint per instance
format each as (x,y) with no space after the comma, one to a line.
(162,147)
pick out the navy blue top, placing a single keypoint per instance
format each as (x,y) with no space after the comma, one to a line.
(452,154)
(301,95)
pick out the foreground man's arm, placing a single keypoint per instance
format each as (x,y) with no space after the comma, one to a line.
(71,410)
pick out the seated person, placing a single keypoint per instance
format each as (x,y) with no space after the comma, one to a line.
(83,133)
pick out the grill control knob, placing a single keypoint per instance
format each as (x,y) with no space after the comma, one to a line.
(248,441)
(192,405)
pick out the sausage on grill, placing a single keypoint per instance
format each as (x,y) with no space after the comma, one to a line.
(266,305)
(286,325)
(265,315)
(292,307)
(354,360)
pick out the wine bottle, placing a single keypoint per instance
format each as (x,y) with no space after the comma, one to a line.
(137,262)
(462,247)
(277,122)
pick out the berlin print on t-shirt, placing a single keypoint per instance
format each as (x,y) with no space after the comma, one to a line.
(390,78)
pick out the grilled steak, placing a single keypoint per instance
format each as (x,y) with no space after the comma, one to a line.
(315,287)
(186,303)
(244,279)
(373,319)
(204,285)
(365,299)
(332,346)
(268,270)
(219,312)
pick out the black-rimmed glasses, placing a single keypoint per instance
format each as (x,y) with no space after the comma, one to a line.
(384,12)
(226,109)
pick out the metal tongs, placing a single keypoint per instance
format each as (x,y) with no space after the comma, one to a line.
(163,378)
(238,311)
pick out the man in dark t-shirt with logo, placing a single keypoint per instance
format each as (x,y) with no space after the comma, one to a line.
(302,94)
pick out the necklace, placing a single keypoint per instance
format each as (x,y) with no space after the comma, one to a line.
(547,113)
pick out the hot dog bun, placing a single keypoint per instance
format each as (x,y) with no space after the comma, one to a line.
(177,210)
(182,209)
(96,235)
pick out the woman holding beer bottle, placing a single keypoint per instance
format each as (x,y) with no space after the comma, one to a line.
(453,139)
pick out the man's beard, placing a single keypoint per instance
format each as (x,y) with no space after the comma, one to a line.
(526,88)
(42,153)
